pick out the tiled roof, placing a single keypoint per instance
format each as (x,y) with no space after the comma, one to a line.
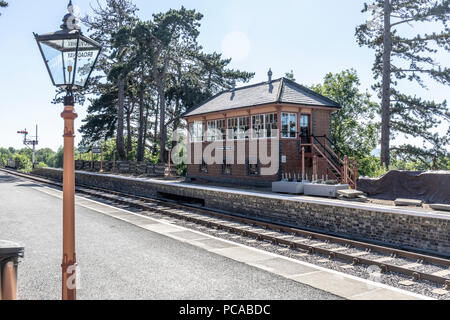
(278,91)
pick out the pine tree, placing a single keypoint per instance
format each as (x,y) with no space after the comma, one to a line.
(400,57)
(105,22)
(101,120)
(169,30)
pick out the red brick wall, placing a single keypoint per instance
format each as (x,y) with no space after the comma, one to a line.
(289,148)
(239,170)
(321,122)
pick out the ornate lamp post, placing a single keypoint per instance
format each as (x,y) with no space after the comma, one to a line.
(70,58)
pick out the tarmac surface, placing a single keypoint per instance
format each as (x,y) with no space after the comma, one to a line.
(119,260)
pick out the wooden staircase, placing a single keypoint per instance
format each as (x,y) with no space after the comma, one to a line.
(339,167)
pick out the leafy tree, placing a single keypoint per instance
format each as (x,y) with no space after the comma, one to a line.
(3,4)
(27,152)
(5,155)
(57,160)
(369,166)
(42,165)
(44,155)
(290,75)
(353,127)
(24,162)
(399,57)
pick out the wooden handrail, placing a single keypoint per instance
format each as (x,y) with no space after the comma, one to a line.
(326,158)
(348,171)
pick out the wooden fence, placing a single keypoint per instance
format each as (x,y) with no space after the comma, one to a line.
(127,167)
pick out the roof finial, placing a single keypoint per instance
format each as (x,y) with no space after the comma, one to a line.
(270,74)
(70,20)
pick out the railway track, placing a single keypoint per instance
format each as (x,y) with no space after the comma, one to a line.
(415,265)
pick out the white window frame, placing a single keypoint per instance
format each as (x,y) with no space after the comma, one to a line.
(264,126)
(212,132)
(261,125)
(197,130)
(241,128)
(290,115)
(231,132)
(238,132)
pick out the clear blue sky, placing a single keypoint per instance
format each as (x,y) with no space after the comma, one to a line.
(310,37)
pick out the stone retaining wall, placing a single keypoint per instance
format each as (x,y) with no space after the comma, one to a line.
(399,228)
(126,167)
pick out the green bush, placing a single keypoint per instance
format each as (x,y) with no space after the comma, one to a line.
(24,163)
(42,165)
(3,160)
(370,167)
(181,170)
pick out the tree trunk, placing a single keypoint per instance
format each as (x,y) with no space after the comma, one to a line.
(176,122)
(386,90)
(119,141)
(156,128)
(140,153)
(146,130)
(129,142)
(162,122)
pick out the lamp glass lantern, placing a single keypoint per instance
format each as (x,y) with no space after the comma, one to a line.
(69,56)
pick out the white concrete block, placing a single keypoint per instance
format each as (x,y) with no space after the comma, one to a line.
(408,202)
(324,190)
(288,187)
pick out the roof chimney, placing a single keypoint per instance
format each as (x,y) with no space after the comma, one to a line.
(270,75)
(233,90)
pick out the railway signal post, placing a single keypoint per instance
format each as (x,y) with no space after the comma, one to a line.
(69,57)
(30,142)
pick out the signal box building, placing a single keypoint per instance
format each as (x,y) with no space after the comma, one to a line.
(292,120)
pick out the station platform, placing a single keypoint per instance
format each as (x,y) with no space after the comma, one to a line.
(418,229)
(167,259)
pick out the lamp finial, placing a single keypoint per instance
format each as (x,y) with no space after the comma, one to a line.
(70,20)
